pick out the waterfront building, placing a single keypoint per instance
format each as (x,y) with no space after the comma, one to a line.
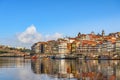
(99,47)
(62,46)
(35,48)
(52,46)
(87,46)
(104,46)
(110,46)
(39,47)
(117,48)
(81,43)
(73,47)
(71,40)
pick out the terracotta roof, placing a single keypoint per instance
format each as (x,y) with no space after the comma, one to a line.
(88,42)
(50,40)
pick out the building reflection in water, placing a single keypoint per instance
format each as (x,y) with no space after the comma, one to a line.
(78,69)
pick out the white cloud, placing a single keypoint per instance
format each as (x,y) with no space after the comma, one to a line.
(30,35)
(27,38)
(53,37)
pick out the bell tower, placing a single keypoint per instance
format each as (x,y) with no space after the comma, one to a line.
(103,33)
(79,34)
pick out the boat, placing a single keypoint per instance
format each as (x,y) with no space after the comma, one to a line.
(34,57)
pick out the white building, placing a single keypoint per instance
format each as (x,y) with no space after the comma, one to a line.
(62,48)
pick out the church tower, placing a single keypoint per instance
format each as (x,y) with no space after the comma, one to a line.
(79,34)
(103,33)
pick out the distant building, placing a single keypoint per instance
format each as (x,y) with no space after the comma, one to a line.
(103,33)
(117,48)
(62,46)
(79,44)
(39,47)
(52,46)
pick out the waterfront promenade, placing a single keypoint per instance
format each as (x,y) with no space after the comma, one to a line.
(83,55)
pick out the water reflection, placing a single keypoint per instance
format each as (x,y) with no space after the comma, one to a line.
(78,69)
(14,68)
(49,69)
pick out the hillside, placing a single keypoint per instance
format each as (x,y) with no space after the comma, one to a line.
(10,51)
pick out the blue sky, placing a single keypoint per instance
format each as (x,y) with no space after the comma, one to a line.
(66,17)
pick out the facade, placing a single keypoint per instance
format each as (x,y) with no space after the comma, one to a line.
(52,46)
(35,48)
(62,48)
(117,48)
(99,47)
(39,47)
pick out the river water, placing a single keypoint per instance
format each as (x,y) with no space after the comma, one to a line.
(49,69)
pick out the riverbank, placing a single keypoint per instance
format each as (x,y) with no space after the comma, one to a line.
(79,56)
(11,55)
(6,51)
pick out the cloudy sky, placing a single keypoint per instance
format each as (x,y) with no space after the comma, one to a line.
(24,22)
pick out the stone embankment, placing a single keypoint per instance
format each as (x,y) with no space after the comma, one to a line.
(88,56)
